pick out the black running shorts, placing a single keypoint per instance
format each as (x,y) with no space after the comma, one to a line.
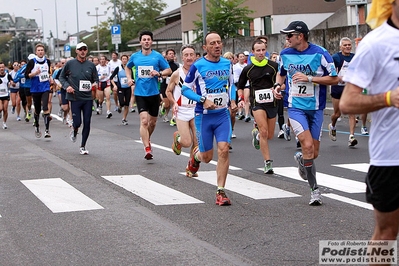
(382,187)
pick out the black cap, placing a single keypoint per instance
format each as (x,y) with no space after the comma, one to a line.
(296,26)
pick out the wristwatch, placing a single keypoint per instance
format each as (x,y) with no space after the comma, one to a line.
(160,73)
(310,78)
(203,99)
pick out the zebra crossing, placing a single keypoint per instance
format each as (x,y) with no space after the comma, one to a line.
(59,196)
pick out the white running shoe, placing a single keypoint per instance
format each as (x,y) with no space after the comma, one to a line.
(315,198)
(287,132)
(364,131)
(83,151)
(280,134)
(72,136)
(332,132)
(298,157)
(4,125)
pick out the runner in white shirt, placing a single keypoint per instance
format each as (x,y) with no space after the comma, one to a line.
(104,72)
(114,63)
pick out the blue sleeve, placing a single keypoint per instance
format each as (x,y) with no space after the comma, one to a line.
(190,94)
(130,63)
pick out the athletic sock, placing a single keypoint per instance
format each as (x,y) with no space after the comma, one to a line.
(310,173)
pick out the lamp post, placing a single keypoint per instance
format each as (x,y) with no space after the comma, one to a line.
(98,33)
(41,11)
(56,29)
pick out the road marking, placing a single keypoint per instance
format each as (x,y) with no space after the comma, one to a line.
(360,167)
(334,182)
(349,201)
(169,149)
(151,191)
(59,196)
(245,187)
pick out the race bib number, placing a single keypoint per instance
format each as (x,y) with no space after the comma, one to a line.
(186,102)
(264,96)
(22,80)
(219,99)
(123,81)
(302,89)
(43,76)
(3,92)
(84,85)
(342,72)
(145,71)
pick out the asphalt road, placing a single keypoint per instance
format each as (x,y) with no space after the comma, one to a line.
(112,207)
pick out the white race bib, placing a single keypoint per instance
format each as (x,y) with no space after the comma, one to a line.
(22,80)
(3,92)
(123,81)
(186,102)
(302,89)
(43,76)
(84,85)
(264,96)
(342,72)
(145,71)
(219,99)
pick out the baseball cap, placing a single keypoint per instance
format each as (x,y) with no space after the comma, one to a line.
(80,45)
(246,53)
(296,26)
(31,56)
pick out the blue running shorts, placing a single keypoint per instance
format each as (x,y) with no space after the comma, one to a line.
(302,120)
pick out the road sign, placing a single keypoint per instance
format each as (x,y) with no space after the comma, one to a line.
(67,47)
(73,41)
(116,34)
(356,2)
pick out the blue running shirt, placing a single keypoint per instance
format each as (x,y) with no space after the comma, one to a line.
(314,61)
(146,85)
(214,80)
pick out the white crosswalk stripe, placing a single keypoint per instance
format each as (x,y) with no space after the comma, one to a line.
(349,200)
(360,167)
(151,191)
(59,196)
(246,187)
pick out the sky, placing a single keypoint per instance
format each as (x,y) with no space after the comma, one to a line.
(66,13)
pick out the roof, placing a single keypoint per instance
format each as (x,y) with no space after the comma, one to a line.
(173,13)
(170,32)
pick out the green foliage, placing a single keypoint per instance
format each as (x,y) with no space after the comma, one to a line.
(133,16)
(225,17)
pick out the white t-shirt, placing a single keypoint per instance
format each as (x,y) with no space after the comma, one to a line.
(375,68)
(237,69)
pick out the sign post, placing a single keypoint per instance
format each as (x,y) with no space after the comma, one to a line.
(356,3)
(67,50)
(116,35)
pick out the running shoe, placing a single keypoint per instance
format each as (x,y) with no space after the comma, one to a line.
(364,131)
(352,141)
(332,132)
(72,136)
(28,117)
(233,136)
(172,122)
(247,119)
(268,167)
(98,110)
(315,198)
(241,117)
(163,110)
(47,134)
(124,122)
(93,108)
(221,198)
(176,146)
(109,114)
(339,119)
(18,118)
(60,112)
(116,109)
(280,134)
(165,119)
(38,133)
(83,151)
(4,125)
(132,110)
(255,141)
(148,153)
(193,164)
(189,174)
(287,132)
(119,110)
(301,168)
(13,110)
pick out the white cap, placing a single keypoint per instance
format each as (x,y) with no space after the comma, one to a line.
(31,56)
(80,45)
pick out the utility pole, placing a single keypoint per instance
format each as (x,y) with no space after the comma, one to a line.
(98,33)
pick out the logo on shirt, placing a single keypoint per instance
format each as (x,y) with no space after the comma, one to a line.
(220,74)
(305,69)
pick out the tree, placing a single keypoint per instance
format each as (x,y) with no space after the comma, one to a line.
(133,16)
(225,17)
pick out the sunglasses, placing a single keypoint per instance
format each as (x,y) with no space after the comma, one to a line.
(289,35)
(82,49)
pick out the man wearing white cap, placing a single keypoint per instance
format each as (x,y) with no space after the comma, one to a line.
(77,77)
(375,67)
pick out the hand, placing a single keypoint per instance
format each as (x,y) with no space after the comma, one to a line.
(209,105)
(130,82)
(241,104)
(299,77)
(277,95)
(233,106)
(70,90)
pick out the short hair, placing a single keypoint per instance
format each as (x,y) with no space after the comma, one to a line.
(228,55)
(124,55)
(257,42)
(188,46)
(146,32)
(39,45)
(344,39)
(115,52)
(209,33)
(262,37)
(170,49)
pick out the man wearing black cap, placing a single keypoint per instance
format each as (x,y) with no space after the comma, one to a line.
(77,77)
(309,68)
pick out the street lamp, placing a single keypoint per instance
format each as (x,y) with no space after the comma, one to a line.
(98,34)
(56,29)
(41,11)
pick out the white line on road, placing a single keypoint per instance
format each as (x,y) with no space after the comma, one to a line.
(151,191)
(245,187)
(185,154)
(349,200)
(59,196)
(334,182)
(360,167)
